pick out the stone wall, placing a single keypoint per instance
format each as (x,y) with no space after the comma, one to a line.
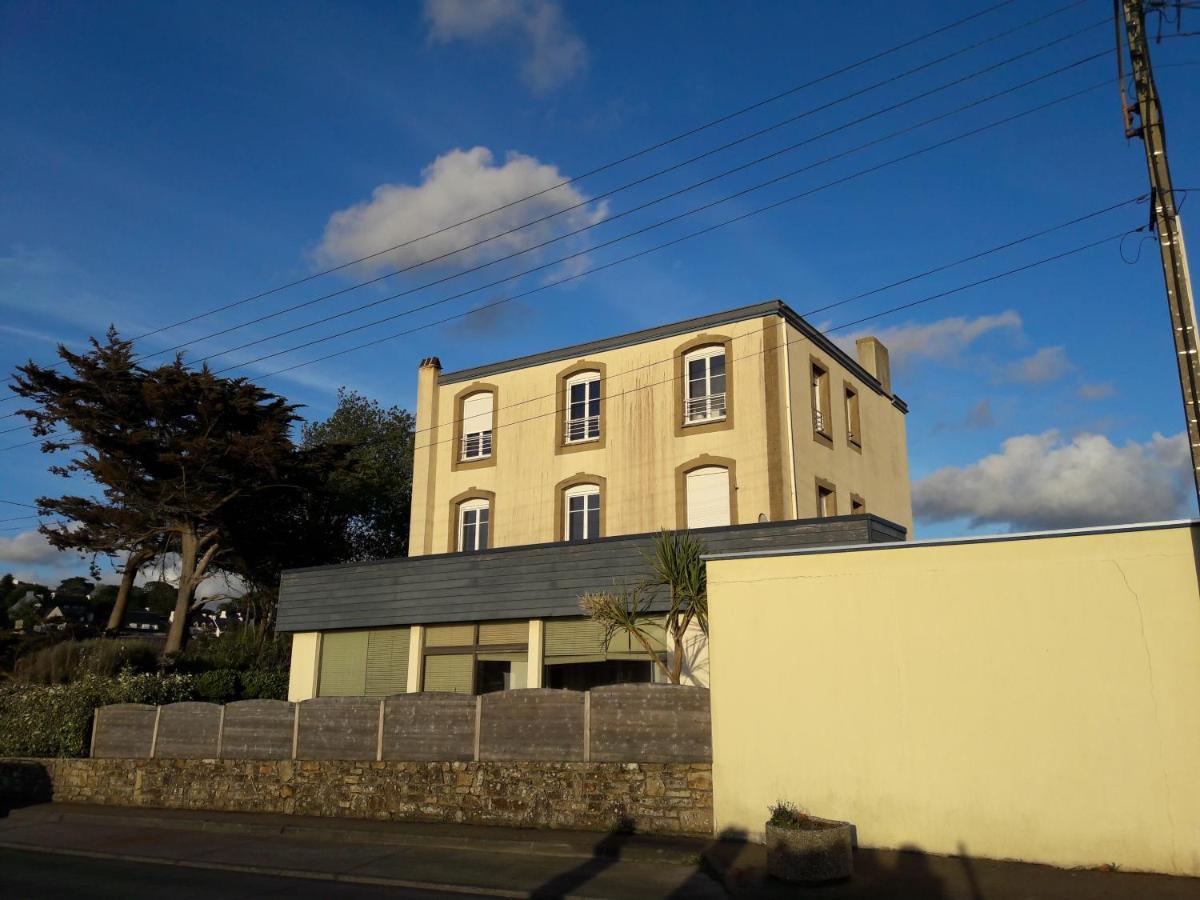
(661,798)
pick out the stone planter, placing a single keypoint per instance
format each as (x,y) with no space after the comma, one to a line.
(821,851)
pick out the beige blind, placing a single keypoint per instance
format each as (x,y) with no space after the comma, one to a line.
(579,639)
(477,413)
(450,636)
(491,633)
(343,664)
(708,497)
(387,662)
(451,672)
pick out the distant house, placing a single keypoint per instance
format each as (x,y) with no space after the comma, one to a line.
(142,621)
(69,613)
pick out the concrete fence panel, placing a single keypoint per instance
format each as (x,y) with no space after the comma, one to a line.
(533,724)
(188,731)
(337,728)
(124,731)
(429,727)
(650,723)
(258,729)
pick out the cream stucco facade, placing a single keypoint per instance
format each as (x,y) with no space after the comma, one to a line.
(1033,698)
(765,441)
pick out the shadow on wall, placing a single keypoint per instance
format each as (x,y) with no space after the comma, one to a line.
(23,783)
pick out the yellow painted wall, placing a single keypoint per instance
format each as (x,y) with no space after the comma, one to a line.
(1036,699)
(306,656)
(878,472)
(641,450)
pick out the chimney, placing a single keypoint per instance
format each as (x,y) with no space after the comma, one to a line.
(425,445)
(873,356)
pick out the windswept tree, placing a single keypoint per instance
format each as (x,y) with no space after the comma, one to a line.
(173,448)
(677,569)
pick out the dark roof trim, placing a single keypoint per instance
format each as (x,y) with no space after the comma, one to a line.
(950,542)
(740,314)
(518,548)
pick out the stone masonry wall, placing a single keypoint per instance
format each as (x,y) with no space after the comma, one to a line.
(659,798)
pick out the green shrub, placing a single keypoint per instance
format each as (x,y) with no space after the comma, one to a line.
(217,686)
(56,720)
(264,686)
(243,650)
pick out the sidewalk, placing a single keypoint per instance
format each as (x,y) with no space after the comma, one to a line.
(492,862)
(894,875)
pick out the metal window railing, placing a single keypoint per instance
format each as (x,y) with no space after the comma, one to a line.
(708,408)
(585,428)
(819,422)
(477,445)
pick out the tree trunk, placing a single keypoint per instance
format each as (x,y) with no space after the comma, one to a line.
(133,565)
(188,548)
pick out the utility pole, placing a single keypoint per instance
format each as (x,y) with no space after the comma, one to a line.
(1151,130)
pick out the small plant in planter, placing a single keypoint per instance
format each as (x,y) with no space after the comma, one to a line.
(806,848)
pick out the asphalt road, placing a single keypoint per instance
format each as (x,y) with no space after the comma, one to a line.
(44,876)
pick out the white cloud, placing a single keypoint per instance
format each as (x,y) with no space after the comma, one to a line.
(29,548)
(941,341)
(1040,481)
(1097,391)
(554,52)
(456,186)
(1046,365)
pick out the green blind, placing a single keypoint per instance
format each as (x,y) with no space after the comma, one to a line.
(573,640)
(492,633)
(387,662)
(451,672)
(343,664)
(450,636)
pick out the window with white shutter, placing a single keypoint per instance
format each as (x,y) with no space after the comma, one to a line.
(477,425)
(474,522)
(581,507)
(583,408)
(704,387)
(708,497)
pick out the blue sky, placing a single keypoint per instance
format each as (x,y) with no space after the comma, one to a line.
(162,159)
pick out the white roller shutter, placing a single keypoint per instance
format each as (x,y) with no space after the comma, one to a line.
(708,497)
(477,413)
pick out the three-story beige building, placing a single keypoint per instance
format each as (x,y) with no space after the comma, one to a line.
(750,415)
(540,479)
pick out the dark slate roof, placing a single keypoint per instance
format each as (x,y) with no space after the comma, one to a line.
(532,581)
(754,311)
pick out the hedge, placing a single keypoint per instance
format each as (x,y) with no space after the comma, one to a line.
(56,720)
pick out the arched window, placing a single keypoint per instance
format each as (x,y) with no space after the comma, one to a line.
(581,508)
(582,403)
(704,388)
(473,523)
(708,497)
(477,414)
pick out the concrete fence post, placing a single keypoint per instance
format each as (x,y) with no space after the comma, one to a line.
(478,722)
(379,735)
(95,724)
(295,729)
(154,735)
(221,731)
(587,726)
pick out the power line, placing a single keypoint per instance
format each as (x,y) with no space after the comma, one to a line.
(609,165)
(645,179)
(862,172)
(840,327)
(16,503)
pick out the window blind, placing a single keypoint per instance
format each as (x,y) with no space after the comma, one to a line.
(708,497)
(477,413)
(492,633)
(450,636)
(387,662)
(450,672)
(343,664)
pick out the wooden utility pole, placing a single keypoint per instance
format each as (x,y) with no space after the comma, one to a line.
(1149,127)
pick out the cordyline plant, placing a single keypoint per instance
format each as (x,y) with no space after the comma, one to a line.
(677,566)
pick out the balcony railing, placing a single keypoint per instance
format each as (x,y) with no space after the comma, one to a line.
(709,408)
(819,422)
(477,445)
(586,428)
